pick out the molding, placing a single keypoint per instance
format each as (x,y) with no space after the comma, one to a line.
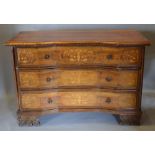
(13,96)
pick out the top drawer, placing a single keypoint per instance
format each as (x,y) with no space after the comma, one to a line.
(78,56)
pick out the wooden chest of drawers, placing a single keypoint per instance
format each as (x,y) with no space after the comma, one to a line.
(80,70)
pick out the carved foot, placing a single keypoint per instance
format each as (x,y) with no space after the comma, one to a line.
(27,120)
(128,119)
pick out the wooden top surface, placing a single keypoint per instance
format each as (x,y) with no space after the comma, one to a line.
(101,37)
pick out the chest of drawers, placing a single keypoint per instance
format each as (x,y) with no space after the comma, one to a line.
(79,71)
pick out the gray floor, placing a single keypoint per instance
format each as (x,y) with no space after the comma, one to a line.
(78,121)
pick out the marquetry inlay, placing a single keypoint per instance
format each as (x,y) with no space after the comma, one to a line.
(77,55)
(79,70)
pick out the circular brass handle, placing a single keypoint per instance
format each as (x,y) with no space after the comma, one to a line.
(108,79)
(48,79)
(50,101)
(47,56)
(108,100)
(109,57)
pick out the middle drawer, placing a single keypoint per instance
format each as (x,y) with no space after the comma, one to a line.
(50,78)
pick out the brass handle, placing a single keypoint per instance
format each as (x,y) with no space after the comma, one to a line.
(108,79)
(50,101)
(108,100)
(47,56)
(109,57)
(48,79)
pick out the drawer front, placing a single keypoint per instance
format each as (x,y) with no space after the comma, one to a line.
(37,79)
(77,99)
(61,56)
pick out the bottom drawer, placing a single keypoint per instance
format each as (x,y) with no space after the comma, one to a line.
(77,99)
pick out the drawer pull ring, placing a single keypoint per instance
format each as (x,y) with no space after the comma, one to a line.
(108,100)
(108,79)
(109,57)
(48,79)
(47,56)
(50,100)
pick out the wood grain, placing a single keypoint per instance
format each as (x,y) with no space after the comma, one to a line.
(79,70)
(77,99)
(42,79)
(82,37)
(61,56)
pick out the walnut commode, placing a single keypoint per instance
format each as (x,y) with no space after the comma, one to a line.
(79,70)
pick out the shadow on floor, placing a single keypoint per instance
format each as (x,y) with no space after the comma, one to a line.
(78,118)
(148,116)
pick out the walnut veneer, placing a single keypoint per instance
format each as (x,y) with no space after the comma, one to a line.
(79,70)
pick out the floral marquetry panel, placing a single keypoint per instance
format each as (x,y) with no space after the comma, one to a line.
(58,56)
(79,71)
